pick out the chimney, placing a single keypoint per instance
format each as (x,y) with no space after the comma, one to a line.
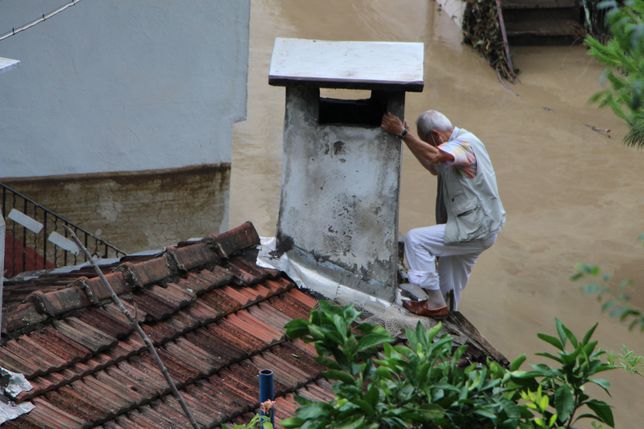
(341,172)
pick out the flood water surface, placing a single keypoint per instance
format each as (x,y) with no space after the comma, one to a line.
(572,191)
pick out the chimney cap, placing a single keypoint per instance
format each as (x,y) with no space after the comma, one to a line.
(347,64)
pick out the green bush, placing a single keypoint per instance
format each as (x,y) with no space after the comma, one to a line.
(623,56)
(380,382)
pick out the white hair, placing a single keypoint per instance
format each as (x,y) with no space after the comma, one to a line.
(432,120)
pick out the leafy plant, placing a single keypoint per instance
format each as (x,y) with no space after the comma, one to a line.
(628,361)
(614,296)
(380,382)
(260,420)
(578,362)
(623,56)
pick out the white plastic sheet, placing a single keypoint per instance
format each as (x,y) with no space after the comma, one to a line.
(15,384)
(306,278)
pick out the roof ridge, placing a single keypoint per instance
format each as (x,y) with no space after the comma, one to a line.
(40,307)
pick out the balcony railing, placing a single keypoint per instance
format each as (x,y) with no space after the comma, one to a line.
(35,237)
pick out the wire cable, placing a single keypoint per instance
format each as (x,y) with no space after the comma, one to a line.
(43,18)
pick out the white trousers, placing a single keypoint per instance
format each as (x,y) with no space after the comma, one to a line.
(424,245)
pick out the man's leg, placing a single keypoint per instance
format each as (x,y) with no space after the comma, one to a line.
(454,272)
(423,245)
(422,262)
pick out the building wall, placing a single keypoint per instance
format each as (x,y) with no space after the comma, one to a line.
(119,116)
(116,85)
(137,211)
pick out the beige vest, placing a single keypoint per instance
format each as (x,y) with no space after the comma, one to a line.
(473,206)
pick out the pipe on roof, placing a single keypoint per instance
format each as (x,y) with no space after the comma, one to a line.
(266,392)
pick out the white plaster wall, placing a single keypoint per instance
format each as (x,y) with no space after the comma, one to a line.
(115,85)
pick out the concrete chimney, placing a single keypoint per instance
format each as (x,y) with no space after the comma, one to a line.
(341,172)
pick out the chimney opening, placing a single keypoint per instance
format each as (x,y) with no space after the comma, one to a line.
(345,107)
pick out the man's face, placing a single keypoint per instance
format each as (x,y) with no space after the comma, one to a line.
(436,138)
(432,138)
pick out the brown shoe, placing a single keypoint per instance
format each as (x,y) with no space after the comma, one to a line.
(420,308)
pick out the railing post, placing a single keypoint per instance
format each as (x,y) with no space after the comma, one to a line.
(13,242)
(44,241)
(2,237)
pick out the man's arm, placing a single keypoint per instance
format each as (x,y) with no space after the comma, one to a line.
(427,155)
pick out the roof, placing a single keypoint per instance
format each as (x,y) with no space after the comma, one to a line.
(216,318)
(355,65)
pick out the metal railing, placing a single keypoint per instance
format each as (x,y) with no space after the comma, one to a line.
(29,249)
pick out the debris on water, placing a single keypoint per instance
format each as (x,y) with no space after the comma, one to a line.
(481,29)
(602,131)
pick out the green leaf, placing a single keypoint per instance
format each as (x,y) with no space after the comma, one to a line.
(372,396)
(570,335)
(550,356)
(292,422)
(602,410)
(564,402)
(340,324)
(561,332)
(374,340)
(516,364)
(297,328)
(311,412)
(352,424)
(343,376)
(317,332)
(486,413)
(604,384)
(551,340)
(589,334)
(553,419)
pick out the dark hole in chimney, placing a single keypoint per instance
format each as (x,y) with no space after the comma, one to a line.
(367,112)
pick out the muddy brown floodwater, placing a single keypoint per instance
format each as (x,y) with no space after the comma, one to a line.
(571,193)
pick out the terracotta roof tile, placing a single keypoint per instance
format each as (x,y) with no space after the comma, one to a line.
(84,334)
(215,317)
(236,239)
(106,322)
(193,256)
(117,280)
(148,272)
(22,316)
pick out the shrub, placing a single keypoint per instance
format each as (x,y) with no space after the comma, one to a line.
(380,382)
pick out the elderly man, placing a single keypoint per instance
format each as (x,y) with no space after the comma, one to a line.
(469,213)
